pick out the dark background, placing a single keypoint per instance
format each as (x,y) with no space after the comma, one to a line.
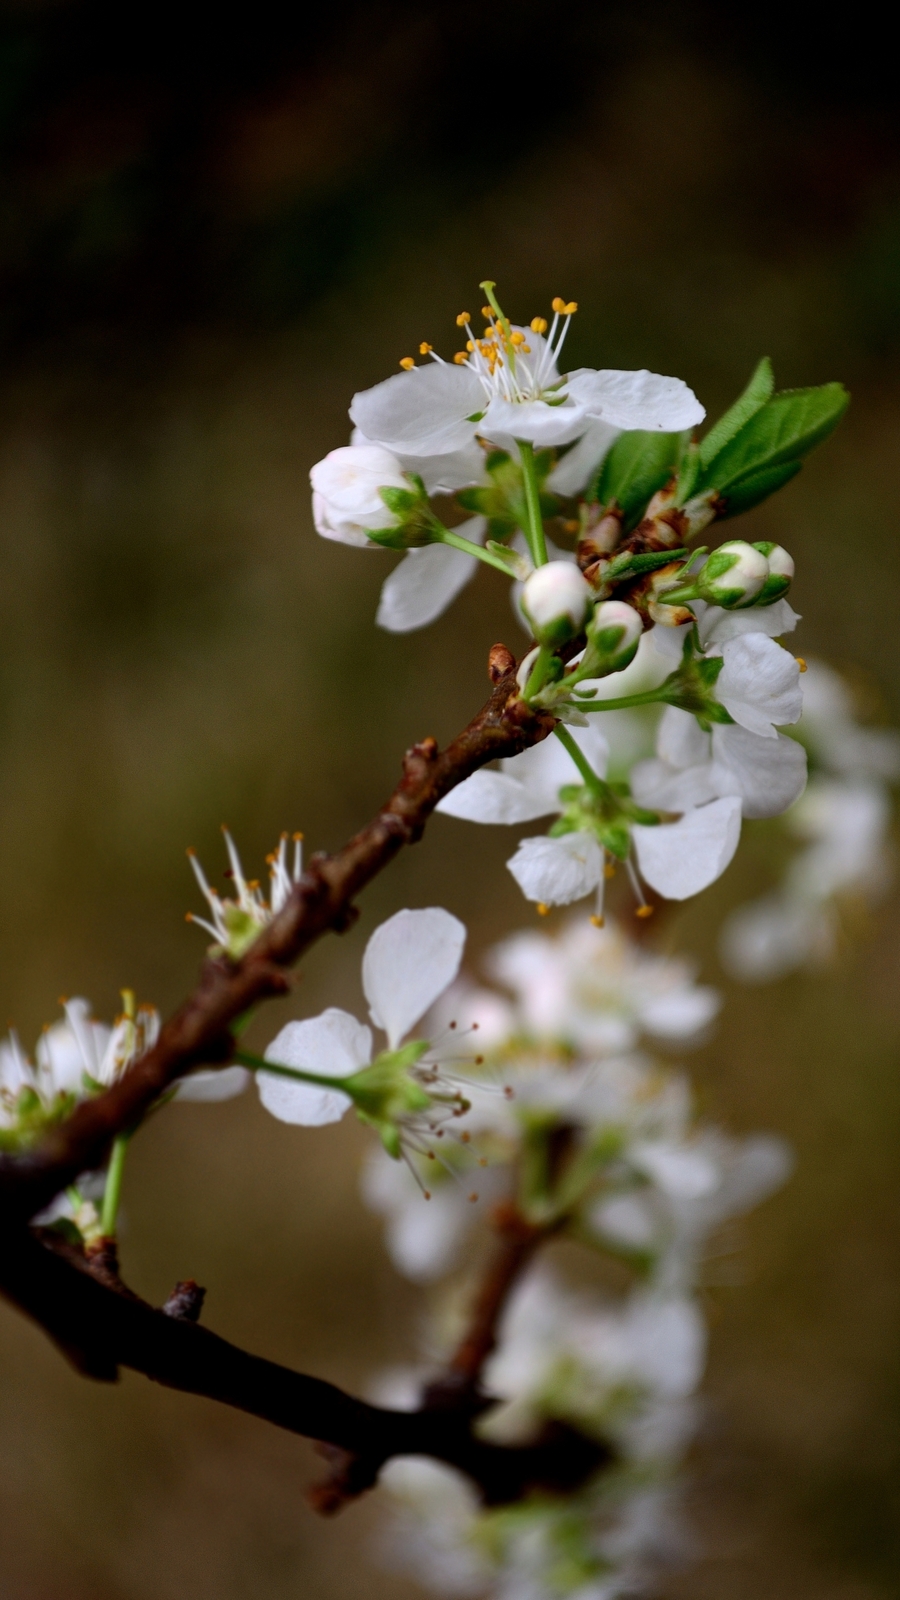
(211,232)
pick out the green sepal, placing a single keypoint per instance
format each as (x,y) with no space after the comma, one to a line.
(638,465)
(692,687)
(608,816)
(519,566)
(503,501)
(402,502)
(630,564)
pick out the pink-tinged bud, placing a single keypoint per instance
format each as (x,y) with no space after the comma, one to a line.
(556,600)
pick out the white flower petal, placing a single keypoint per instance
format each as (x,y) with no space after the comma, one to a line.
(426,581)
(679,859)
(717,624)
(678,1171)
(557,871)
(680,740)
(410,960)
(759,685)
(680,1014)
(495,797)
(422,412)
(334,1044)
(768,774)
(663,788)
(505,421)
(574,472)
(774,935)
(209,1085)
(637,400)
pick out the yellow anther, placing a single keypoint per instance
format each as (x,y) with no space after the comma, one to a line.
(463,318)
(425,349)
(572,526)
(407,363)
(298,835)
(558,304)
(516,337)
(598,922)
(570,309)
(801,663)
(526,349)
(461,357)
(487,313)
(564,308)
(644,911)
(538,324)
(470,344)
(542,910)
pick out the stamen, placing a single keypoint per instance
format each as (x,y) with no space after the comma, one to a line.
(801,663)
(643,909)
(407,363)
(425,349)
(460,358)
(463,319)
(538,324)
(542,909)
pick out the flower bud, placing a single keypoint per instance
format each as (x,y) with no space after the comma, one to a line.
(781,571)
(346,485)
(556,600)
(733,575)
(614,633)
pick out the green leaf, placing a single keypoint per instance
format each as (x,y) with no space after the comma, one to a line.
(758,391)
(638,464)
(784,430)
(758,486)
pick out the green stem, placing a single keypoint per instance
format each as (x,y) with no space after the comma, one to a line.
(534,533)
(258,1064)
(591,778)
(456,540)
(647,697)
(112,1194)
(539,673)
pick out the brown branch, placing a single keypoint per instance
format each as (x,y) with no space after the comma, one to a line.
(101,1326)
(78,1297)
(321,901)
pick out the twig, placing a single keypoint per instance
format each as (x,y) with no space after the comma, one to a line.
(79,1298)
(101,1327)
(321,901)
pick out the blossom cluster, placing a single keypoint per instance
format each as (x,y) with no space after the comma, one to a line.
(594,1140)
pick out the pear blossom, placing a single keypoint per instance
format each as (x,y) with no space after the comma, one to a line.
(237,923)
(408,1093)
(74,1059)
(677,859)
(693,766)
(598,991)
(686,1189)
(845,826)
(507,386)
(843,822)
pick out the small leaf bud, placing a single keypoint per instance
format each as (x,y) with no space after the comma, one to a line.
(781,572)
(614,633)
(733,575)
(556,600)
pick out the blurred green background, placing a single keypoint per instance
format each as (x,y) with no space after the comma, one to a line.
(211,233)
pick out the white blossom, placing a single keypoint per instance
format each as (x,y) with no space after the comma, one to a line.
(346,498)
(693,766)
(598,991)
(759,684)
(508,387)
(238,922)
(409,961)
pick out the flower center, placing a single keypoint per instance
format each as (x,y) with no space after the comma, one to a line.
(508,366)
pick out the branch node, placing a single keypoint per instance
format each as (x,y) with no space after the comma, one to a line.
(186,1301)
(501,662)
